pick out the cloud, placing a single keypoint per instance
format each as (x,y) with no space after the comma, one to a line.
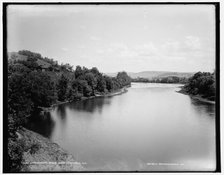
(94,38)
(118,46)
(128,53)
(83,27)
(81,46)
(122,50)
(145,14)
(119,50)
(65,49)
(192,42)
(148,49)
(171,48)
(100,51)
(189,47)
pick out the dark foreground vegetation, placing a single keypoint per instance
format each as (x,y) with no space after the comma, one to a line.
(201,84)
(35,81)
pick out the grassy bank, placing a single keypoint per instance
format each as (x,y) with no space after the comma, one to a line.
(40,154)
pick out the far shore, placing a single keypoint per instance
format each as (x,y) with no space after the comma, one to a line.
(197,97)
(156,82)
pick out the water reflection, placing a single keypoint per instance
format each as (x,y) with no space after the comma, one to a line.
(90,105)
(203,107)
(61,112)
(42,123)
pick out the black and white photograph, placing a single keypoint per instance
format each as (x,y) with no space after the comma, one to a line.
(109,87)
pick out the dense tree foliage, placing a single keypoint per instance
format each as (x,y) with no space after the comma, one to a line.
(36,82)
(123,79)
(203,84)
(62,87)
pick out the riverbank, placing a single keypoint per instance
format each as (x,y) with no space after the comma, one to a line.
(119,92)
(107,94)
(196,97)
(41,155)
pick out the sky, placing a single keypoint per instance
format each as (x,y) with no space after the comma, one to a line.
(114,38)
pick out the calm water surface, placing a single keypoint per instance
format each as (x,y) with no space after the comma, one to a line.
(151,127)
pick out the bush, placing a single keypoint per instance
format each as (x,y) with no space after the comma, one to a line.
(15,152)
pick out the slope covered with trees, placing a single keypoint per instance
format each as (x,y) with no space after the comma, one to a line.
(35,81)
(202,84)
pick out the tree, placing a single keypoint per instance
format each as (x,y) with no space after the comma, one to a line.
(123,78)
(95,71)
(91,80)
(201,83)
(30,63)
(42,89)
(116,84)
(101,84)
(19,97)
(76,90)
(78,71)
(17,67)
(62,88)
(87,91)
(81,88)
(109,83)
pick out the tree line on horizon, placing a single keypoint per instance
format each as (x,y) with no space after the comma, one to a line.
(167,79)
(40,82)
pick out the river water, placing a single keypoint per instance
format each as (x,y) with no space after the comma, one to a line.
(149,128)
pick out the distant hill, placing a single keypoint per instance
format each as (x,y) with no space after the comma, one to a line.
(155,74)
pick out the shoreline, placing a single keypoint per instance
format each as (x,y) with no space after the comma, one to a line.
(42,155)
(157,82)
(110,94)
(196,97)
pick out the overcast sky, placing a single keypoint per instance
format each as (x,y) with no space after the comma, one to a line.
(112,38)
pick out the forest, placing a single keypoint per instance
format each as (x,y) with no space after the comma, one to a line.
(35,81)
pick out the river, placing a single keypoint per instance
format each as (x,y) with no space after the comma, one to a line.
(149,128)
